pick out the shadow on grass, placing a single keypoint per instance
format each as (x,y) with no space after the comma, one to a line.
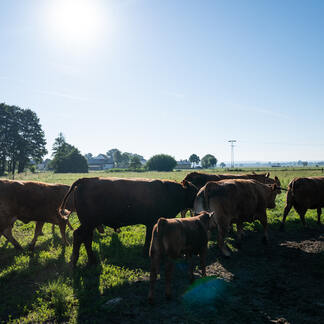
(19,287)
(125,256)
(281,283)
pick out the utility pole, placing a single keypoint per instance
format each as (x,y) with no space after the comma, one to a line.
(232,152)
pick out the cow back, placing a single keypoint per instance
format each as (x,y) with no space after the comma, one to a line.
(118,202)
(307,192)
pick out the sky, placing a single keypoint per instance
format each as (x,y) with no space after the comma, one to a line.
(173,76)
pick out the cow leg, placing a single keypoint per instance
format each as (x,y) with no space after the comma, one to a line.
(155,266)
(319,212)
(168,277)
(101,229)
(69,224)
(88,245)
(7,232)
(148,237)
(62,225)
(264,222)
(222,231)
(183,213)
(202,255)
(302,212)
(77,241)
(38,231)
(190,268)
(239,227)
(288,206)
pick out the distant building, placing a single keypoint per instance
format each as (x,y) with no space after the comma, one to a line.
(183,164)
(100,162)
(43,166)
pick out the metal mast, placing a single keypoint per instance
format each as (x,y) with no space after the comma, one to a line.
(232,152)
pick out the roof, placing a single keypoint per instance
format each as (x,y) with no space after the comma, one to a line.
(101,159)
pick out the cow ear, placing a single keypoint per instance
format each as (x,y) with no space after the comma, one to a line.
(276,178)
(184,183)
(268,175)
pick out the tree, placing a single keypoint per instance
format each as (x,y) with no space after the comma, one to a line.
(21,138)
(88,156)
(124,160)
(59,142)
(117,156)
(111,152)
(194,159)
(222,165)
(161,162)
(67,158)
(208,161)
(135,162)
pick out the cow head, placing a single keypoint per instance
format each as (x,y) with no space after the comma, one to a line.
(190,193)
(274,191)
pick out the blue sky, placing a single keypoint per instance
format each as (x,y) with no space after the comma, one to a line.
(176,77)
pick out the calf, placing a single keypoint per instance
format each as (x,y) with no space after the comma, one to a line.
(199,179)
(119,202)
(31,201)
(236,201)
(174,237)
(303,194)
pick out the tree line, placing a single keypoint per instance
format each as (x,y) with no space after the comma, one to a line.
(22,143)
(22,139)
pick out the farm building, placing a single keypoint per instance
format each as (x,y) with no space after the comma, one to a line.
(100,162)
(183,164)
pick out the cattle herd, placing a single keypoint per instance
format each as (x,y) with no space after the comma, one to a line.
(214,201)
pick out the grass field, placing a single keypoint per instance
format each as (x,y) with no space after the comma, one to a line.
(41,286)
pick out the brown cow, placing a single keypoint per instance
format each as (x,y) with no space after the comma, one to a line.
(199,179)
(303,194)
(119,202)
(171,238)
(31,201)
(236,201)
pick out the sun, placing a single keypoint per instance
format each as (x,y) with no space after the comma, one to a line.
(77,23)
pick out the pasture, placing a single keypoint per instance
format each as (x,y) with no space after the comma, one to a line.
(279,283)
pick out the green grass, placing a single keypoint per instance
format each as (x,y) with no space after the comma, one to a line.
(41,286)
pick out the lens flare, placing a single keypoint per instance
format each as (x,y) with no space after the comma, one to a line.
(205,291)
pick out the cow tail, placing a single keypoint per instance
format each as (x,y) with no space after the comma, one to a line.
(290,193)
(157,237)
(65,213)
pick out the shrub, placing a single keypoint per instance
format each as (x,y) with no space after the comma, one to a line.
(161,162)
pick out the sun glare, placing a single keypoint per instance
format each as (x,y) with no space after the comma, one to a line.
(78,23)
